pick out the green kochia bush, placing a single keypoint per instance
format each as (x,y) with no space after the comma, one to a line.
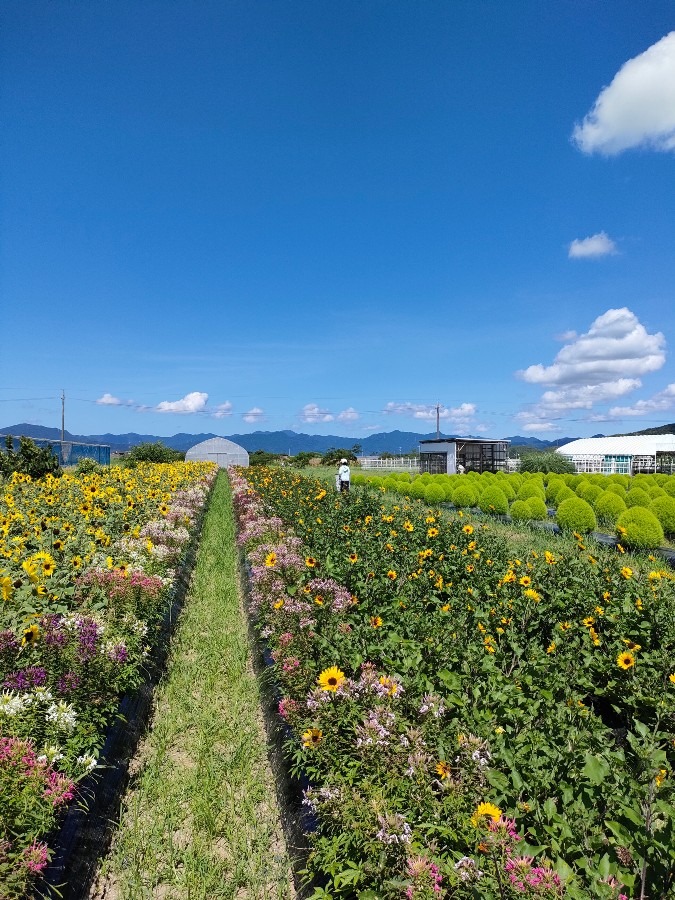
(532,488)
(538,509)
(564,493)
(434,493)
(493,500)
(608,507)
(637,497)
(664,510)
(639,528)
(465,495)
(520,511)
(575,514)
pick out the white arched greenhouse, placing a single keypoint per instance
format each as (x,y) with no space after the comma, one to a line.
(219,450)
(623,454)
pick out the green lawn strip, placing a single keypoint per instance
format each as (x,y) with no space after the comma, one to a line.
(201,819)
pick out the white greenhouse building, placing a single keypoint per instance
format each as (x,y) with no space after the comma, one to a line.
(623,454)
(219,450)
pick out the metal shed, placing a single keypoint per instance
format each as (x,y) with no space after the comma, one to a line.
(219,450)
(69,453)
(442,455)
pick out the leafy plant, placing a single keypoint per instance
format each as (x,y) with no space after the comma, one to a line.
(575,514)
(640,528)
(29,459)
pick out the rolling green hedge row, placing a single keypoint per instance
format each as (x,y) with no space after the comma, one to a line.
(640,510)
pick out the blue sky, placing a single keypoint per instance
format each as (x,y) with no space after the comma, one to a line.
(331,216)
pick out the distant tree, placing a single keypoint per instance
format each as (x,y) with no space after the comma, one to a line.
(29,459)
(356,449)
(546,461)
(262,458)
(386,455)
(300,460)
(333,456)
(156,452)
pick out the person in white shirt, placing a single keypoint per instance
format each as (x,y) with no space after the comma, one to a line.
(344,475)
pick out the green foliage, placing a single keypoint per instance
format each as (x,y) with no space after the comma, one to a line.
(553,486)
(669,486)
(417,488)
(546,461)
(664,510)
(262,458)
(434,493)
(520,511)
(575,514)
(302,459)
(578,729)
(465,494)
(617,489)
(29,459)
(87,466)
(156,452)
(608,507)
(637,497)
(538,509)
(333,456)
(565,493)
(639,528)
(588,491)
(493,500)
(533,487)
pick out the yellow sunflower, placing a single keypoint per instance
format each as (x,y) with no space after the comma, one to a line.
(483,810)
(331,679)
(625,660)
(312,737)
(443,769)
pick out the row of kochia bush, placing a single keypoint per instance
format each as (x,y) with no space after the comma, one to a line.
(639,510)
(474,720)
(88,563)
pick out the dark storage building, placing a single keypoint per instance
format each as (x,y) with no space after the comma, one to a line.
(443,455)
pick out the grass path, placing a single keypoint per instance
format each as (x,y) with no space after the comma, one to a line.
(201,819)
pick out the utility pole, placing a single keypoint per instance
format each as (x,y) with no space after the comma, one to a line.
(63,415)
(438,421)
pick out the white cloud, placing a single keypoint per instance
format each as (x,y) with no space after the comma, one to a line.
(458,414)
(191,403)
(223,410)
(540,426)
(312,413)
(587,395)
(595,368)
(637,109)
(616,346)
(566,336)
(597,245)
(660,402)
(109,400)
(348,415)
(253,415)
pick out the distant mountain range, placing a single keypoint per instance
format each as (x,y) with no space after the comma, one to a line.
(290,442)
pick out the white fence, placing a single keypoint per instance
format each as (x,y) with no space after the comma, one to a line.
(397,462)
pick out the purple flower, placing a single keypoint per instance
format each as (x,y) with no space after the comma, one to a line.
(23,680)
(87,638)
(8,643)
(68,683)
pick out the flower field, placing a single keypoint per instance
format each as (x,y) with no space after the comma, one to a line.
(640,511)
(87,566)
(470,722)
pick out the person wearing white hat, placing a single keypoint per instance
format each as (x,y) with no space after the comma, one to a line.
(344,475)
